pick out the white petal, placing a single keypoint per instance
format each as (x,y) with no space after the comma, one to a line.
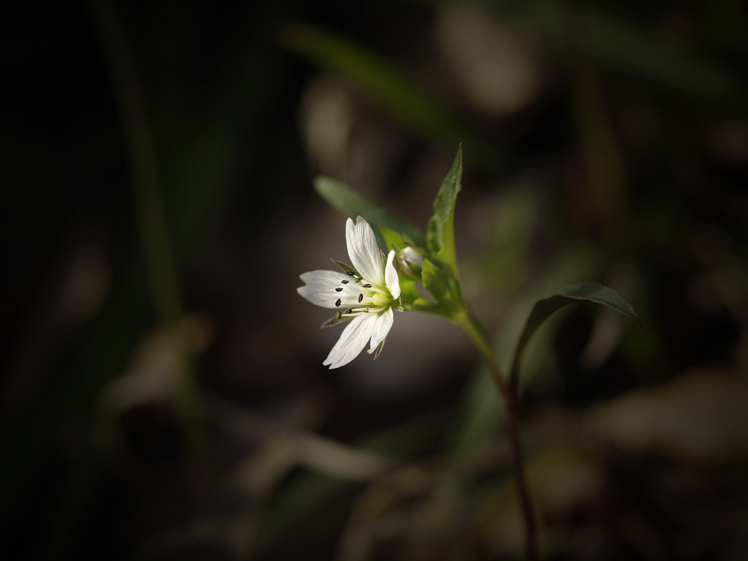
(320,287)
(390,276)
(363,250)
(411,256)
(381,329)
(352,341)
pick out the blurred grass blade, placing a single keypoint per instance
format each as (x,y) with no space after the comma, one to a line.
(542,310)
(345,200)
(155,238)
(380,83)
(196,168)
(622,45)
(440,237)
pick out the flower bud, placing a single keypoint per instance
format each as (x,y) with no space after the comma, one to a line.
(410,262)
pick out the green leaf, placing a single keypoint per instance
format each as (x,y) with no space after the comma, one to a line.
(425,305)
(409,291)
(392,239)
(440,238)
(433,280)
(589,292)
(348,202)
(408,240)
(378,81)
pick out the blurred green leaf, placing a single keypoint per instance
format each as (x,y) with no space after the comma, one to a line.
(587,292)
(440,237)
(630,48)
(379,82)
(351,204)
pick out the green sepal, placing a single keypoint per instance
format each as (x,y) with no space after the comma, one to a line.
(335,320)
(440,238)
(346,267)
(543,309)
(352,204)
(379,350)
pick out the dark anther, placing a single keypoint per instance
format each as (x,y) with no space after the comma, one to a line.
(351,273)
(366,310)
(360,297)
(367,286)
(345,282)
(359,279)
(338,302)
(339,289)
(338,314)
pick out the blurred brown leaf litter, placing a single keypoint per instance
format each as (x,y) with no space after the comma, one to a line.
(148,418)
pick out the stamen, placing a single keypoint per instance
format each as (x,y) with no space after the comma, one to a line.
(351,273)
(345,281)
(367,286)
(360,298)
(338,302)
(366,310)
(338,314)
(359,279)
(339,289)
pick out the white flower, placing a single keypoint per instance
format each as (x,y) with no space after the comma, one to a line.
(365,295)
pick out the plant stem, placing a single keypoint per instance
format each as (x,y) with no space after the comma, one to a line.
(476,334)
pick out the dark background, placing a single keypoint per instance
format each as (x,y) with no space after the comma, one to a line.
(157,168)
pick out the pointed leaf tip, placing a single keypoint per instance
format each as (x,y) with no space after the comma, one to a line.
(440,235)
(599,294)
(543,309)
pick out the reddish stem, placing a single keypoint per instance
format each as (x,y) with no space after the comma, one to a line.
(509,395)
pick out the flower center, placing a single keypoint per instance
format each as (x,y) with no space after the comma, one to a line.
(360,296)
